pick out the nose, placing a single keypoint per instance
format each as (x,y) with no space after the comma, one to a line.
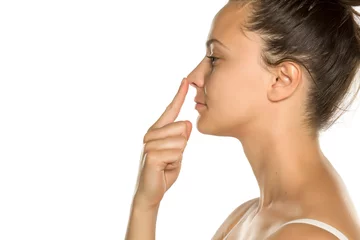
(196,77)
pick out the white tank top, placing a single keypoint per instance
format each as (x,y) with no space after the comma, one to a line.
(320,224)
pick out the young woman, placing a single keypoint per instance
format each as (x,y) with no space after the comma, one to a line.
(274,76)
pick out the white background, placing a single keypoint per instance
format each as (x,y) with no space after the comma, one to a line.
(80,83)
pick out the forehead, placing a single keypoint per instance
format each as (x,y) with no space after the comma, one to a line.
(226,25)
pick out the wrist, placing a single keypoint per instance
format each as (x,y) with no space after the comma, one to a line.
(140,205)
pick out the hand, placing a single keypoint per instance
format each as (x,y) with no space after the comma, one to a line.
(164,144)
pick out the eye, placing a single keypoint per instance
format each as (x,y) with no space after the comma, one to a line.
(212,59)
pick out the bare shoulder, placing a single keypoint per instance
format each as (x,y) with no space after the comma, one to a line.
(234,217)
(297,231)
(242,209)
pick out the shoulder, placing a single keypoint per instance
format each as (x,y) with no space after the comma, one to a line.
(300,231)
(242,209)
(246,205)
(234,217)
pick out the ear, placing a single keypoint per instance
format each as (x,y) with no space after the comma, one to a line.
(286,78)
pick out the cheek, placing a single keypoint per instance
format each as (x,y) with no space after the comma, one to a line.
(223,93)
(234,91)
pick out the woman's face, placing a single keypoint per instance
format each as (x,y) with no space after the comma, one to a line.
(233,84)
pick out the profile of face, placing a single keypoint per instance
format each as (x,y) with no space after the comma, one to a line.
(238,90)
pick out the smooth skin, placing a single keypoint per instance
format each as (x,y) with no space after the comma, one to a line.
(263,109)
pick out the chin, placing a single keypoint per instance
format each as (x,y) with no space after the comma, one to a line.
(205,126)
(219,124)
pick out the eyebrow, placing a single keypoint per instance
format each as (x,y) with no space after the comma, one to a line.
(213,40)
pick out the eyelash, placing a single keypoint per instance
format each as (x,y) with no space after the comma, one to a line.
(211,61)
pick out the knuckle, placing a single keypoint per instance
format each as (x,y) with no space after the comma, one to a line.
(147,136)
(150,128)
(146,147)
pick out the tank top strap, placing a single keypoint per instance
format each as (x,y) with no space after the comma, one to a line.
(319,224)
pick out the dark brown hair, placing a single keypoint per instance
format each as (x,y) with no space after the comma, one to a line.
(320,35)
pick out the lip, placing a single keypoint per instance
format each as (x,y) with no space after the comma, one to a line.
(200,106)
(198,101)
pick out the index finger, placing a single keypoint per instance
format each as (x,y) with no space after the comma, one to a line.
(173,109)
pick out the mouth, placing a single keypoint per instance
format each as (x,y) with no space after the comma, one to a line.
(200,103)
(200,106)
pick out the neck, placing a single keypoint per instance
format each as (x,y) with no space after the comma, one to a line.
(285,160)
